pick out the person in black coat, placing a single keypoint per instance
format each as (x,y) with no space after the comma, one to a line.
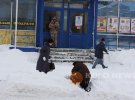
(42,63)
(84,71)
(100,48)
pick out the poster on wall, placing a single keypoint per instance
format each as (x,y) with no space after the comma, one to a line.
(112,24)
(78,21)
(133,25)
(101,26)
(124,25)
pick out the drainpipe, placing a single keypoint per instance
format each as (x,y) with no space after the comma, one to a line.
(16,21)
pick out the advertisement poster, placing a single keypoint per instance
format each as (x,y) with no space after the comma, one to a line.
(112,24)
(133,25)
(124,25)
(78,21)
(101,26)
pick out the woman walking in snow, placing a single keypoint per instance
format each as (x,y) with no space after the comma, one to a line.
(42,63)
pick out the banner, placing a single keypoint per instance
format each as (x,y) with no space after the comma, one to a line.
(133,25)
(124,25)
(78,21)
(112,24)
(18,23)
(101,26)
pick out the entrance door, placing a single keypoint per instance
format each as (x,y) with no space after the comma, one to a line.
(78,28)
(49,14)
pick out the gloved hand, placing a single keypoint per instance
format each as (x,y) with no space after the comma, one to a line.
(107,53)
(44,58)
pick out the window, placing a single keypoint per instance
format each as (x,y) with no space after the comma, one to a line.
(26,14)
(123,13)
(5,14)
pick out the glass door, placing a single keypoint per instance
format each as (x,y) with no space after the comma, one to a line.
(53,20)
(52,24)
(78,28)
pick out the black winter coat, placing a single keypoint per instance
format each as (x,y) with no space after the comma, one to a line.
(43,66)
(99,50)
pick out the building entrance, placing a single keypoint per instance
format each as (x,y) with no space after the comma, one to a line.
(75,19)
(77,28)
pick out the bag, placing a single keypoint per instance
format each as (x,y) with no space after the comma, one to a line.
(51,66)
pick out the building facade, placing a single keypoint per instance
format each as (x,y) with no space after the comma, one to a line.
(82,23)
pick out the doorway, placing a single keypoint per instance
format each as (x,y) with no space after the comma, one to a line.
(77,28)
(75,21)
(48,17)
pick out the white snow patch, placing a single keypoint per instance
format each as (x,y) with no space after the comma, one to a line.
(19,79)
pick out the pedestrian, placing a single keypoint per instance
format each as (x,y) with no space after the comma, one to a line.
(54,28)
(81,74)
(43,60)
(100,48)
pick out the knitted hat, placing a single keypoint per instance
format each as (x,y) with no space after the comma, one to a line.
(76,77)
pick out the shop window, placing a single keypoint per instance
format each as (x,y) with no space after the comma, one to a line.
(124,41)
(132,42)
(5,14)
(26,14)
(26,23)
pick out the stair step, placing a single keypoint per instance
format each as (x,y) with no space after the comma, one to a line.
(71,55)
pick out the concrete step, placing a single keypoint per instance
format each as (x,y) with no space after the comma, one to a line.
(71,55)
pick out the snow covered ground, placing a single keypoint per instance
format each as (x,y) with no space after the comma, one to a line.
(19,79)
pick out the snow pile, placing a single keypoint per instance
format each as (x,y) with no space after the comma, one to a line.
(20,81)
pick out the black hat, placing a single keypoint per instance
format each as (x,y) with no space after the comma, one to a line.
(102,39)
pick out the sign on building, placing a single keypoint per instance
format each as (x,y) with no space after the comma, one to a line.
(112,24)
(133,25)
(124,25)
(101,26)
(78,22)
